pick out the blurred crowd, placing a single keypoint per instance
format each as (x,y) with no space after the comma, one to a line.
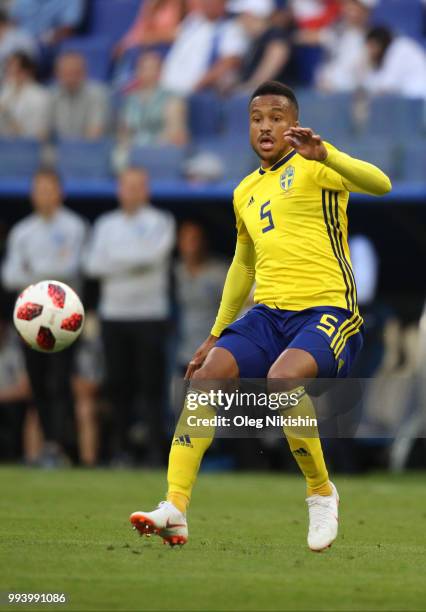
(107,400)
(176,48)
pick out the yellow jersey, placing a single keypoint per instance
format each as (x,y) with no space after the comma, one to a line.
(292,234)
(295,215)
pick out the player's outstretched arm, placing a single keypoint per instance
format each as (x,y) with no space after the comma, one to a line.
(238,284)
(359,176)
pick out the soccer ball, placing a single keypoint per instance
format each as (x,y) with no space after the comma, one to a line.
(49,316)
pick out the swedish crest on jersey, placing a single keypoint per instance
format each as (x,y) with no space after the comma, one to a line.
(287,178)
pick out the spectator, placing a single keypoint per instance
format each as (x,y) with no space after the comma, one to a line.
(24,104)
(156,24)
(376,314)
(47,244)
(150,114)
(366,268)
(86,383)
(314,15)
(199,284)
(269,49)
(345,46)
(79,107)
(13,39)
(49,21)
(14,393)
(208,50)
(130,254)
(397,65)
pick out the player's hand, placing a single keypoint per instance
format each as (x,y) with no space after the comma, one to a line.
(306,143)
(200,356)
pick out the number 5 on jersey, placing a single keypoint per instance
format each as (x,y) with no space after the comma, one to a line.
(266,215)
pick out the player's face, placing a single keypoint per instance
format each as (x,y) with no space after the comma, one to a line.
(212,9)
(71,71)
(270,117)
(191,241)
(46,195)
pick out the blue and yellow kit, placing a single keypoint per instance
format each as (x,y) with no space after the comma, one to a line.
(292,240)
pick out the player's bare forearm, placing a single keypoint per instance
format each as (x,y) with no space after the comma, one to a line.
(358,175)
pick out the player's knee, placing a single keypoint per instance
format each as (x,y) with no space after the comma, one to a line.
(220,364)
(282,377)
(204,373)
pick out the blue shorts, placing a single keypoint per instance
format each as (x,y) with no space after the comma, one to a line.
(333,336)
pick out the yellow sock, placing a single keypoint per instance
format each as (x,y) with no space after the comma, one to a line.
(305,445)
(179,500)
(185,456)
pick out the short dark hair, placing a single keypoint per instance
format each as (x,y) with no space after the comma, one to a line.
(275,88)
(25,61)
(4,17)
(380,34)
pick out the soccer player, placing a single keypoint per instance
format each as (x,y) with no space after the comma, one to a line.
(292,240)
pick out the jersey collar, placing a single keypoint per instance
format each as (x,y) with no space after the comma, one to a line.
(279,163)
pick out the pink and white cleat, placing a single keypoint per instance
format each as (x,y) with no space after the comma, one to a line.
(166,521)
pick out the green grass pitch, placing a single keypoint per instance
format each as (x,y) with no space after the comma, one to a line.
(69,532)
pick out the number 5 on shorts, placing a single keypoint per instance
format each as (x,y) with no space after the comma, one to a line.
(327,324)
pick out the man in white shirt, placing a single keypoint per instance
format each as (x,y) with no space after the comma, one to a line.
(208,48)
(47,244)
(397,65)
(130,254)
(344,43)
(24,104)
(79,106)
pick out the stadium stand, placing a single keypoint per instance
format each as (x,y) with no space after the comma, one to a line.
(20,158)
(405,17)
(95,50)
(112,18)
(414,162)
(393,118)
(205,115)
(161,162)
(84,159)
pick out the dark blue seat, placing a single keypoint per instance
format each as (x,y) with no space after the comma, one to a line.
(304,62)
(382,154)
(111,18)
(413,165)
(19,157)
(204,114)
(236,121)
(96,51)
(401,16)
(395,117)
(160,162)
(329,115)
(236,156)
(83,159)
